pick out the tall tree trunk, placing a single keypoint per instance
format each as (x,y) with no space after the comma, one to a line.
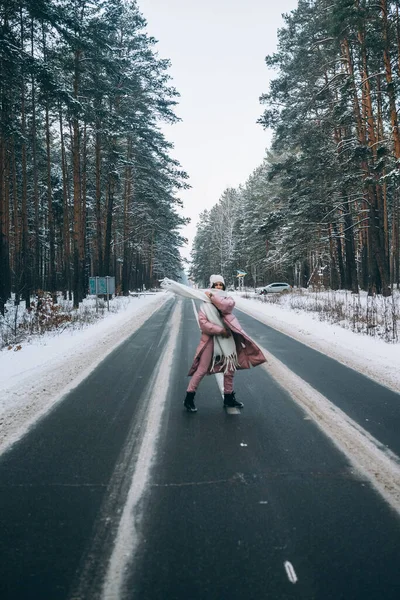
(151,261)
(398,37)
(389,81)
(382,189)
(362,139)
(50,215)
(109,220)
(397,251)
(5,273)
(16,220)
(26,288)
(52,285)
(77,283)
(339,253)
(334,273)
(82,252)
(36,257)
(394,255)
(351,267)
(126,224)
(99,270)
(378,259)
(66,232)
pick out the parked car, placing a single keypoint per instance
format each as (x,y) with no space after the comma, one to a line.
(275,287)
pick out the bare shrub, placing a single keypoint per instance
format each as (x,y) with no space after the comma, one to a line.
(45,316)
(375,316)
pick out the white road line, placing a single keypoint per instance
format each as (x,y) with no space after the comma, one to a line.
(290,572)
(352,360)
(220,381)
(231,410)
(195,312)
(369,457)
(126,540)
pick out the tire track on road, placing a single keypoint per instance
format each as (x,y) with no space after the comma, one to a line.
(116,530)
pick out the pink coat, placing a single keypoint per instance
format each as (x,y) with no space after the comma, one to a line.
(249,354)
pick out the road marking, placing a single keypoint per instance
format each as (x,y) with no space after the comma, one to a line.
(231,410)
(369,457)
(195,313)
(290,572)
(126,540)
(323,346)
(220,382)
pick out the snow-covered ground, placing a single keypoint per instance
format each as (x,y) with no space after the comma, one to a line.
(372,356)
(38,375)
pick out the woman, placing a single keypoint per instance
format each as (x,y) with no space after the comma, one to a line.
(224,346)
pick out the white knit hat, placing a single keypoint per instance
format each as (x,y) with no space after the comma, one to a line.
(216,279)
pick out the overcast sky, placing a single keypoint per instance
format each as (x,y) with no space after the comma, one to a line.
(217,49)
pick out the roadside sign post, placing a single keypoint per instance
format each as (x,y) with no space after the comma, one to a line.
(108,303)
(240,275)
(104,286)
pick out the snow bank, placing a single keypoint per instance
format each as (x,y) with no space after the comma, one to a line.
(373,357)
(35,378)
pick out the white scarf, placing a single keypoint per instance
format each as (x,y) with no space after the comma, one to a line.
(224,348)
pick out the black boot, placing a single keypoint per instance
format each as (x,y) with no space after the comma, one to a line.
(189,402)
(231,402)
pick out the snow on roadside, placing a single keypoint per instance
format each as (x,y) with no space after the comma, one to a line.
(35,378)
(373,357)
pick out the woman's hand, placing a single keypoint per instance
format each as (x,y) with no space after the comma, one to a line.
(209,294)
(226,333)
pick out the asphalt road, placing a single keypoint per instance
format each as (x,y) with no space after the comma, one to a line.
(373,406)
(244,506)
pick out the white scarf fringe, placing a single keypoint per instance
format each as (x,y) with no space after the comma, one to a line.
(224,354)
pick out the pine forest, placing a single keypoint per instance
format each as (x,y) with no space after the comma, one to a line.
(88,185)
(324,206)
(87,182)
